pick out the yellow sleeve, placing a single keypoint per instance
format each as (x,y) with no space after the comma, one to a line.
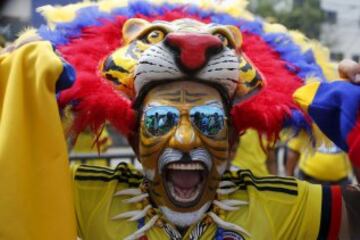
(300,216)
(296,144)
(36,202)
(96,203)
(284,207)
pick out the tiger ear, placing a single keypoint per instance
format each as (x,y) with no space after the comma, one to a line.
(133,27)
(236,35)
(251,81)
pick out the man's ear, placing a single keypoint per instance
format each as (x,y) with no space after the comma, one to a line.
(133,27)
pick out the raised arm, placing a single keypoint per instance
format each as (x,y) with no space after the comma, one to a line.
(36,201)
(335,108)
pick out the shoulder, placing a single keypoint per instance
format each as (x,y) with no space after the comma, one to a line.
(246,180)
(123,173)
(285,206)
(95,195)
(93,184)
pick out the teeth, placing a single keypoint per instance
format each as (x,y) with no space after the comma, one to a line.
(186,166)
(184,195)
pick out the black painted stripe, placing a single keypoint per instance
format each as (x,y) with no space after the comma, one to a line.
(156,64)
(224,61)
(246,68)
(167,93)
(189,100)
(173,99)
(189,94)
(325,213)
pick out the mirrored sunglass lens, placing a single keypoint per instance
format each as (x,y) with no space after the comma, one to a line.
(159,120)
(208,119)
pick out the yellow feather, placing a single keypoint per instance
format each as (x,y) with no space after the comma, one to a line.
(61,14)
(321,53)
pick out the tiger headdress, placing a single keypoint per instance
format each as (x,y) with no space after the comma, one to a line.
(122,49)
(162,50)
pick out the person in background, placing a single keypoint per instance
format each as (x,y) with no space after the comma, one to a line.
(328,164)
(253,153)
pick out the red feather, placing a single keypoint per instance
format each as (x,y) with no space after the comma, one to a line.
(94,99)
(266,111)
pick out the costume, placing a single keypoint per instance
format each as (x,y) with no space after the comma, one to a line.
(284,207)
(170,80)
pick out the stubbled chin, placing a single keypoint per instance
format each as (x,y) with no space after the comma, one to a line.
(184,219)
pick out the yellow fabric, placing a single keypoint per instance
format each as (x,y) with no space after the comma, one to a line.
(36,200)
(250,154)
(273,214)
(327,163)
(305,95)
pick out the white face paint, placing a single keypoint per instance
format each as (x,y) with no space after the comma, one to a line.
(184,219)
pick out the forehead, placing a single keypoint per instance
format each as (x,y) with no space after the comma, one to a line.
(183,93)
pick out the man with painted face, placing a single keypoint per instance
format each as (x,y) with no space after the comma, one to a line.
(184,78)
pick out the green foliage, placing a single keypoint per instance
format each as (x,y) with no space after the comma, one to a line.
(306,17)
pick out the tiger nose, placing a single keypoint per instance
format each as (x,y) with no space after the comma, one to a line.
(194,49)
(185,138)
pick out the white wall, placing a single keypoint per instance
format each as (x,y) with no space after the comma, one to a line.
(344,35)
(17,8)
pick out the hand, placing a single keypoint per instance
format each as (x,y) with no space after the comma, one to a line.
(350,70)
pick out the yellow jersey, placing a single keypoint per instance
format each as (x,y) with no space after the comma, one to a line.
(328,163)
(250,154)
(278,207)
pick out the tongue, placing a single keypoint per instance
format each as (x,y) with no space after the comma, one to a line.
(185,179)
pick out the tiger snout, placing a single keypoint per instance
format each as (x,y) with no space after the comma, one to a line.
(192,50)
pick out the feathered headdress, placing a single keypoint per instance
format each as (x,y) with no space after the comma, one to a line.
(85,33)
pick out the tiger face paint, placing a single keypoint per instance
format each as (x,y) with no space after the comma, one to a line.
(183,145)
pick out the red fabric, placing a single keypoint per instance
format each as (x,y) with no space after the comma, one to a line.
(353,141)
(335,219)
(266,111)
(193,48)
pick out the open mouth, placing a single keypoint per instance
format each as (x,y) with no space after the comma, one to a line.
(185,182)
